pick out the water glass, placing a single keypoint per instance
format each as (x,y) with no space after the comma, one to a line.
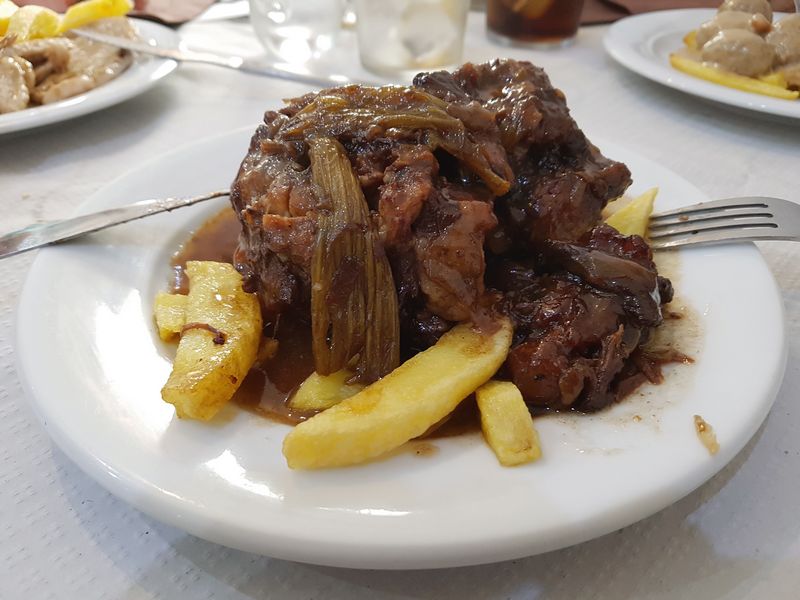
(297,31)
(403,37)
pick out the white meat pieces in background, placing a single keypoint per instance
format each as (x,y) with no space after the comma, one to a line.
(48,70)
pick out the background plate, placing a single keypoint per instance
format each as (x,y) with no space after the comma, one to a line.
(143,73)
(643,43)
(92,365)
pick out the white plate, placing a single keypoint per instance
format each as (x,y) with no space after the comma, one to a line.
(92,366)
(136,79)
(643,43)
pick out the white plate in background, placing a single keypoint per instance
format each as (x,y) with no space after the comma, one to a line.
(140,76)
(643,43)
(92,366)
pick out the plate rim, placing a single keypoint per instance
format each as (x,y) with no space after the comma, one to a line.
(154,69)
(144,496)
(621,48)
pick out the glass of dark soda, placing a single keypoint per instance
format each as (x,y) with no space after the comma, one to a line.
(538,23)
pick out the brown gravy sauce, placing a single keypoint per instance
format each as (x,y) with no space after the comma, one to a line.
(270,384)
(216,240)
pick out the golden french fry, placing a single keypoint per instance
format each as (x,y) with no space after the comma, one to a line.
(633,218)
(320,392)
(739,82)
(7,9)
(690,40)
(507,424)
(615,205)
(32,22)
(82,13)
(402,405)
(219,342)
(170,315)
(777,78)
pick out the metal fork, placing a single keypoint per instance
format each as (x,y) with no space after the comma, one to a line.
(719,221)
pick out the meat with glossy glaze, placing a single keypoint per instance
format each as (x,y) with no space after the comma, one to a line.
(492,203)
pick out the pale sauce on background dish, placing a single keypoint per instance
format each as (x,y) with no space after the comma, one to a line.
(270,384)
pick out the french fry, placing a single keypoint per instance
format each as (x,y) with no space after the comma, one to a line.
(776,78)
(633,218)
(170,315)
(32,22)
(690,40)
(614,206)
(320,392)
(82,13)
(507,424)
(219,342)
(402,405)
(739,82)
(7,9)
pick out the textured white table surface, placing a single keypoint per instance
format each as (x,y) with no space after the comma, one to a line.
(63,536)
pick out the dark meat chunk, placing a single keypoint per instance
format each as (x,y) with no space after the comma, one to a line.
(559,198)
(449,252)
(272,195)
(486,196)
(580,313)
(370,160)
(422,329)
(408,182)
(390,135)
(571,343)
(562,180)
(634,284)
(631,247)
(528,110)
(291,238)
(408,115)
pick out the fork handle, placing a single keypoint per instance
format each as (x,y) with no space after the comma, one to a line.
(42,234)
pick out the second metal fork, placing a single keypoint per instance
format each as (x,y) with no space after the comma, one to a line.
(719,221)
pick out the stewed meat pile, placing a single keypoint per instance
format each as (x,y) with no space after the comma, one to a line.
(472,193)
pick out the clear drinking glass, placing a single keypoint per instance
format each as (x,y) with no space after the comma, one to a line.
(403,37)
(297,31)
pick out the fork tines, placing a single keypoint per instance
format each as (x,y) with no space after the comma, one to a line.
(752,218)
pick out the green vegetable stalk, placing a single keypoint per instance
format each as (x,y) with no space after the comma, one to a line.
(354,309)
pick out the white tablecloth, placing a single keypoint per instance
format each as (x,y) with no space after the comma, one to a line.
(63,536)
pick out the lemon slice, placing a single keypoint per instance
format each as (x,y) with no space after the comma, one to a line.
(530,9)
(82,13)
(7,8)
(33,22)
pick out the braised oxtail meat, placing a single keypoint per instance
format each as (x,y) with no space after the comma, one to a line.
(562,180)
(478,195)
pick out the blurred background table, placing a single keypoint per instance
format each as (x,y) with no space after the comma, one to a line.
(63,536)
